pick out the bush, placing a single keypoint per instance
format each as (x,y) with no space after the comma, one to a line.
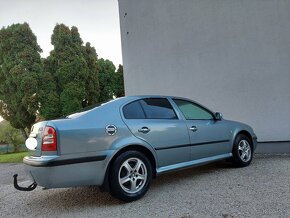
(10,135)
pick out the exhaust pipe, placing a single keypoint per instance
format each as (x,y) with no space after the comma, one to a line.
(29,188)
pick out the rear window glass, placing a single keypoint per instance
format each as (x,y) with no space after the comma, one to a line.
(133,111)
(158,108)
(85,110)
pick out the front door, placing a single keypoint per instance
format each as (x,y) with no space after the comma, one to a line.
(208,137)
(155,121)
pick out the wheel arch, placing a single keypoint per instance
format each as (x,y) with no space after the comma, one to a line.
(132,147)
(244,132)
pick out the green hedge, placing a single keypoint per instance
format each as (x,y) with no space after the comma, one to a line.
(4,149)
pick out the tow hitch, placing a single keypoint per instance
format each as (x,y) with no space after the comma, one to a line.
(29,188)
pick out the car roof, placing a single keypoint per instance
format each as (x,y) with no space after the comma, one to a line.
(172,97)
(155,96)
(163,96)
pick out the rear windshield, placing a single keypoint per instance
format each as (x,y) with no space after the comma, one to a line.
(85,110)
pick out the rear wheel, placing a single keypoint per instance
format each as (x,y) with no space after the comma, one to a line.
(130,176)
(242,151)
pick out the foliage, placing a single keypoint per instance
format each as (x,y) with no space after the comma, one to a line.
(10,135)
(92,83)
(119,82)
(72,74)
(111,81)
(106,78)
(20,67)
(70,78)
(12,158)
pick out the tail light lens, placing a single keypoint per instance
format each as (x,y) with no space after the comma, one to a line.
(49,139)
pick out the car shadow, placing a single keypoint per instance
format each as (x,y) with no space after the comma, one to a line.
(189,173)
(71,199)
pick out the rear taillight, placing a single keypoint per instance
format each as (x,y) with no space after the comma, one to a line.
(49,139)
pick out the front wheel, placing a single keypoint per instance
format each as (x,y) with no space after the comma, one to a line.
(242,151)
(130,176)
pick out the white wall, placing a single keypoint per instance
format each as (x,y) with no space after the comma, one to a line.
(230,55)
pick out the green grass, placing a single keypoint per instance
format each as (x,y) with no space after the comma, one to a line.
(13,157)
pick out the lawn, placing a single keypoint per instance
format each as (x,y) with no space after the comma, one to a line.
(13,157)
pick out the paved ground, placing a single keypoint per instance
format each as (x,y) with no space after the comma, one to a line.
(216,190)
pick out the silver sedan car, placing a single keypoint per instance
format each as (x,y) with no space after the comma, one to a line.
(121,145)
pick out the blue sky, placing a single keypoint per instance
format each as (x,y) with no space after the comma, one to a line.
(97,21)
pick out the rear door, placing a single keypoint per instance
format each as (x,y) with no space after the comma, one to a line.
(208,136)
(155,121)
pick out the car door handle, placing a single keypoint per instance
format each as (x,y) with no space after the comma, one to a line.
(144,129)
(193,128)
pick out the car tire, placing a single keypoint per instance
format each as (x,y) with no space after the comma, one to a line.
(130,176)
(242,151)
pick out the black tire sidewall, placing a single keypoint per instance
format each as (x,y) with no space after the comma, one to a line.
(115,188)
(236,157)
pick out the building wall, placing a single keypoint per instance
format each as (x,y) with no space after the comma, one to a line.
(230,55)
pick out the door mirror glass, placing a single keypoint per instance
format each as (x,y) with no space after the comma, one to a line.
(218,116)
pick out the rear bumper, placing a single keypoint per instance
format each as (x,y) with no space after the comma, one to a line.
(51,161)
(53,172)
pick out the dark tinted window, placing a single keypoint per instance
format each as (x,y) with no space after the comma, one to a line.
(158,108)
(192,111)
(133,111)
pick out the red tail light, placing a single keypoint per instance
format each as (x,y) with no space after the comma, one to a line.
(49,139)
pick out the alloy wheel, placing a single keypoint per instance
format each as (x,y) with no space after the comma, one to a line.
(132,175)
(244,150)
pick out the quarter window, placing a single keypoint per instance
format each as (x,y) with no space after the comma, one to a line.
(192,111)
(133,111)
(158,108)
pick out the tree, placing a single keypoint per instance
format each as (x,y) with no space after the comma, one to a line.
(111,81)
(106,79)
(72,72)
(92,83)
(119,90)
(11,136)
(20,67)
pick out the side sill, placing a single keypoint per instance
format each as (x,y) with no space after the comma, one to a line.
(192,163)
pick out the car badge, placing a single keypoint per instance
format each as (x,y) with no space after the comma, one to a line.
(111,129)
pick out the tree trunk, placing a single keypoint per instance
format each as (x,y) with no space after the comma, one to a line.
(24,134)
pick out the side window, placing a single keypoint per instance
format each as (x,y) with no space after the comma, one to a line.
(158,108)
(133,110)
(192,111)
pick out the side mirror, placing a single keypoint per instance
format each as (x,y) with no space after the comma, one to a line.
(218,116)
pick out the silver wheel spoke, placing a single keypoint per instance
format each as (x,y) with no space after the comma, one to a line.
(125,179)
(140,176)
(133,184)
(243,155)
(137,166)
(127,166)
